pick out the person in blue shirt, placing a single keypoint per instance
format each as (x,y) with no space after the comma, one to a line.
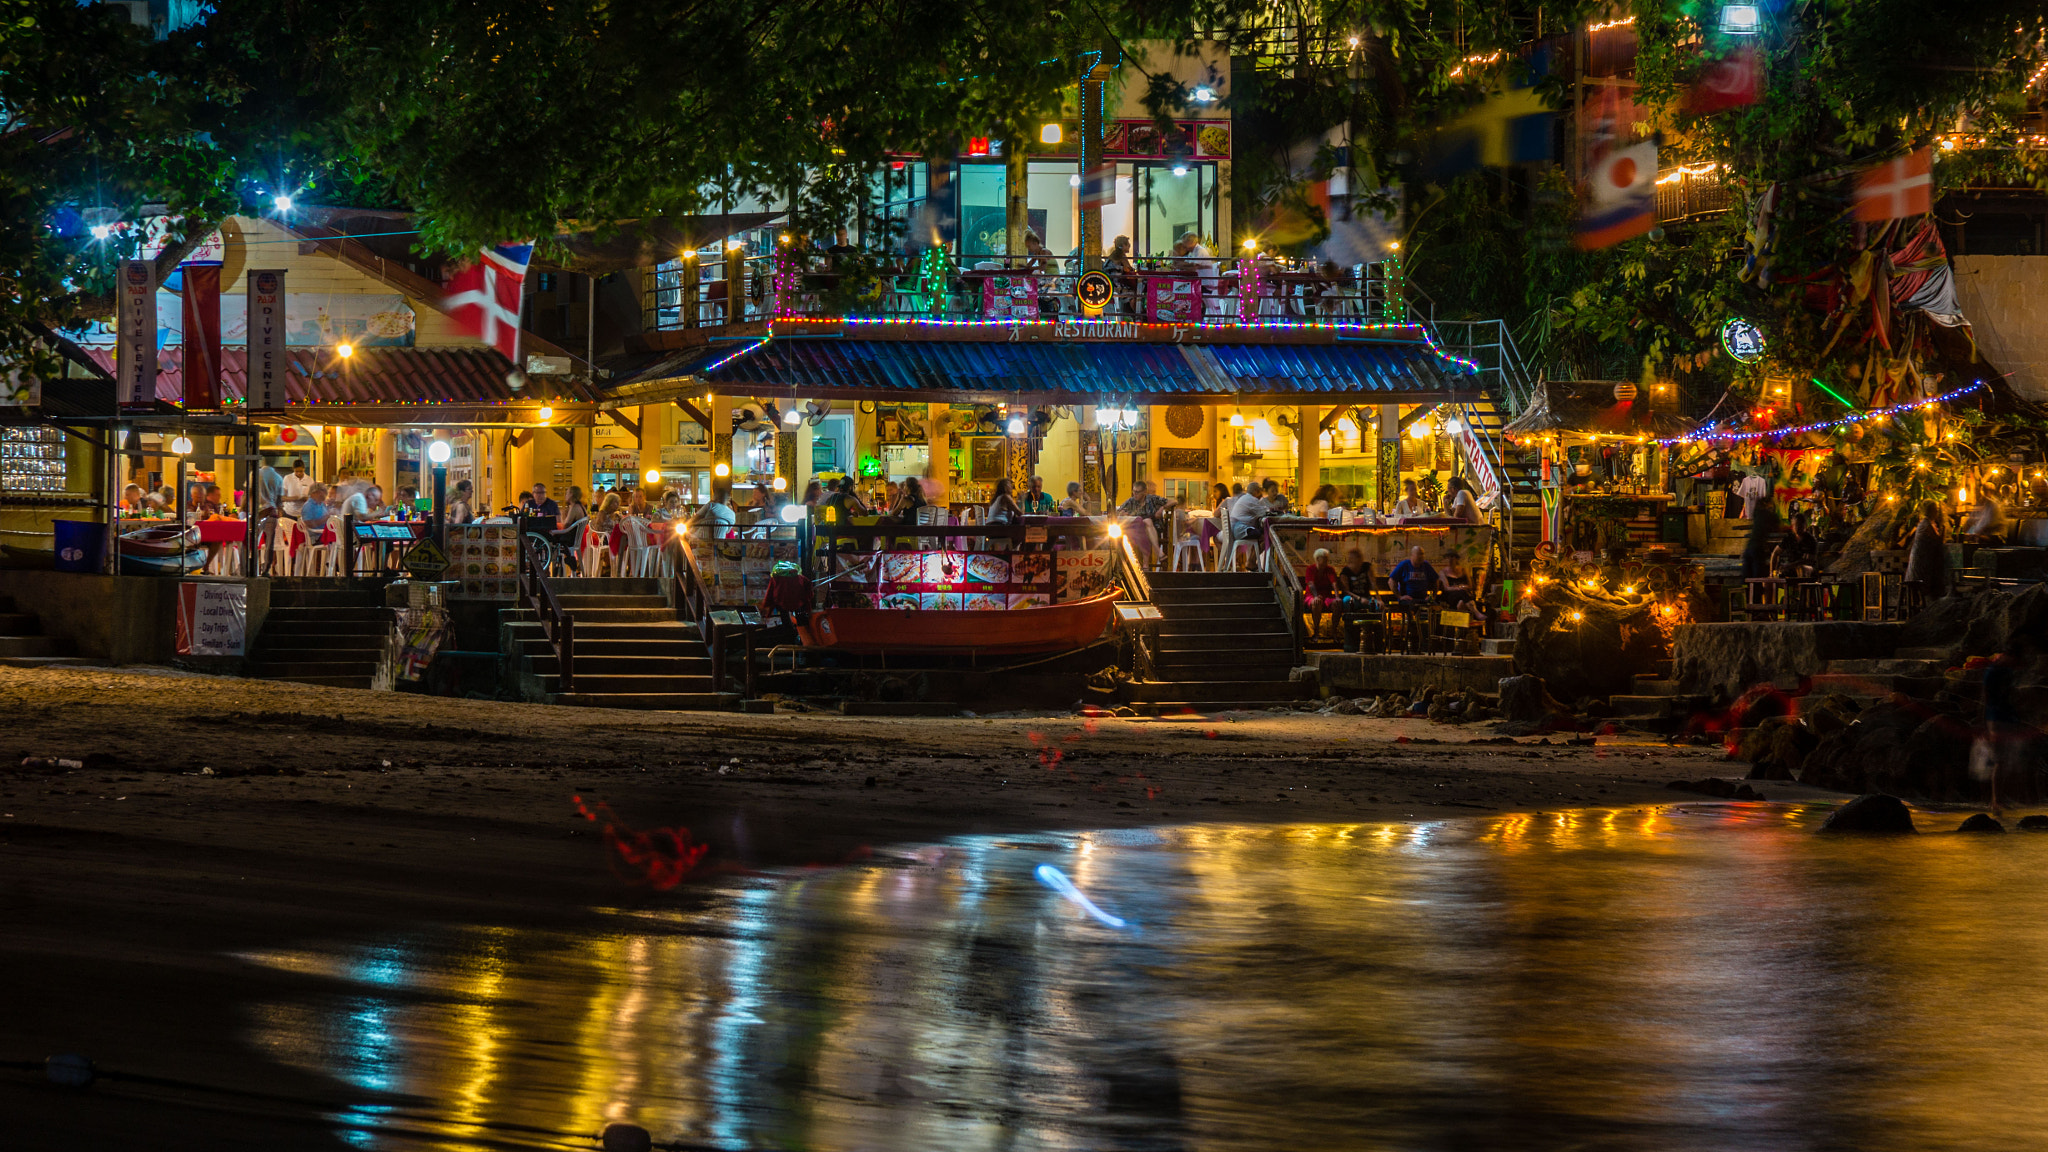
(1413,578)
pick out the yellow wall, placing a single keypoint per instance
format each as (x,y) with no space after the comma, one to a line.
(2005,298)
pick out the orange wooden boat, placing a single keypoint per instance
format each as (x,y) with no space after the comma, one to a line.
(1017,630)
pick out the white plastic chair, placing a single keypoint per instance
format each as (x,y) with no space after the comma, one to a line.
(1187,545)
(594,545)
(1240,548)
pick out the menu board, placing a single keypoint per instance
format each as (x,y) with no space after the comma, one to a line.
(483,561)
(1010,297)
(734,573)
(1173,299)
(974,581)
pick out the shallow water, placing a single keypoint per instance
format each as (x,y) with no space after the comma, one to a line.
(1709,977)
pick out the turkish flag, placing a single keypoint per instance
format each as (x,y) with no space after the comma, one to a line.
(1733,81)
(1897,188)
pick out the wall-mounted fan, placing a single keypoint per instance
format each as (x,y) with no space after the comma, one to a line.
(815,411)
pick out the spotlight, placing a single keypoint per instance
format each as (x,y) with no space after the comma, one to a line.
(344,350)
(281,202)
(547,412)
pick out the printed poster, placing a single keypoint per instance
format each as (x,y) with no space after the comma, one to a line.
(213,619)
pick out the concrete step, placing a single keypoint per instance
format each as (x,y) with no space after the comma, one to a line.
(685,649)
(35,646)
(1163,580)
(674,630)
(576,603)
(1655,686)
(589,664)
(1208,641)
(1222,663)
(1497,646)
(607,685)
(655,615)
(293,639)
(269,669)
(1938,655)
(1179,597)
(1640,705)
(20,624)
(652,701)
(364,655)
(297,629)
(605,586)
(1245,626)
(1211,692)
(1252,611)
(294,615)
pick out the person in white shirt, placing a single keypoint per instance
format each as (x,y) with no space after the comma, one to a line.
(1460,505)
(1411,502)
(363,504)
(1246,511)
(296,486)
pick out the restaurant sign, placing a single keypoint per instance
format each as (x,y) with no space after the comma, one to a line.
(135,329)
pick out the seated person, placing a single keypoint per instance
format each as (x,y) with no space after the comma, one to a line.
(313,511)
(1457,585)
(1414,578)
(208,504)
(1354,580)
(1411,502)
(1073,505)
(1037,501)
(1797,552)
(1320,587)
(131,498)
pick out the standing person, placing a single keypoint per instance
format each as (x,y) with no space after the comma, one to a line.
(1459,504)
(1414,578)
(1411,503)
(461,507)
(1926,559)
(296,486)
(1037,501)
(1763,536)
(1796,555)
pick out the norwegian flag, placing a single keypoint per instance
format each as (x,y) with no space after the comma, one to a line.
(1897,188)
(485,298)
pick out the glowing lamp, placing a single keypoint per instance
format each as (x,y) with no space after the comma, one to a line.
(438,452)
(1015,427)
(1203,94)
(182,445)
(782,483)
(721,469)
(1116,531)
(1741,19)
(281,203)
(1251,245)
(653,476)
(102,231)
(792,417)
(1237,419)
(1418,431)
(791,513)
(344,350)
(1180,169)
(1051,134)
(547,412)
(1576,616)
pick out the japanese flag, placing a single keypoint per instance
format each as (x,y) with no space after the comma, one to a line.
(1621,197)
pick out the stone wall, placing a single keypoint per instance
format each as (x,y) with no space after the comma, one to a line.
(121,619)
(1736,657)
(1350,673)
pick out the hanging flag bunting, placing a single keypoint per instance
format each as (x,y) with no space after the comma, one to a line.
(1734,81)
(485,299)
(1621,199)
(1897,188)
(202,337)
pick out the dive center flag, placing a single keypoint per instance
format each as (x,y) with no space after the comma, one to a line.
(1897,188)
(485,299)
(1621,196)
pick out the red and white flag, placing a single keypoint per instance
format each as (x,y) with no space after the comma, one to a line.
(1733,81)
(1621,197)
(1897,188)
(485,299)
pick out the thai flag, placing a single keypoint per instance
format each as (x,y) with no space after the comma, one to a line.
(485,298)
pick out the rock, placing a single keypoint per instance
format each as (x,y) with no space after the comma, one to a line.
(1873,813)
(1981,822)
(1717,787)
(1526,699)
(1777,748)
(1597,654)
(1733,658)
(1303,674)
(2034,823)
(627,1138)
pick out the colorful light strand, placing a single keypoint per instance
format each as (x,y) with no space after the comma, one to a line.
(754,347)
(1819,426)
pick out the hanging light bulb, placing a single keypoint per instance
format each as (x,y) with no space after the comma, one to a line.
(721,469)
(1237,419)
(547,412)
(782,483)
(182,445)
(344,350)
(653,476)
(1015,427)
(792,417)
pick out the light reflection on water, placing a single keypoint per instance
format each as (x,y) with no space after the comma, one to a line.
(1711,977)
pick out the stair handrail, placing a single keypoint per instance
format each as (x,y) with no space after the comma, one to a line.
(557,625)
(1287,586)
(1137,588)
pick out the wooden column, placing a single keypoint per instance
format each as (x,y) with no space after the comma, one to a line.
(1093,123)
(1309,454)
(1016,194)
(1387,473)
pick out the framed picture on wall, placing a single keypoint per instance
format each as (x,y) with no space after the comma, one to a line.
(1183,459)
(989,459)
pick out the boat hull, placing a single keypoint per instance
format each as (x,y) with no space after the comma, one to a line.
(158,541)
(1054,628)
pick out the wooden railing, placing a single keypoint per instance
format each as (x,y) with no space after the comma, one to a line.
(558,626)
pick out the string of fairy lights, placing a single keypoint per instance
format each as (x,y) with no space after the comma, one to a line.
(1705,435)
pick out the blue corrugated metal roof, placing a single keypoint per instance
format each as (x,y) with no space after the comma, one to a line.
(1080,368)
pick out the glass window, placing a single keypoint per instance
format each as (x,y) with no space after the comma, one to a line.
(983,216)
(896,195)
(1054,204)
(1172,205)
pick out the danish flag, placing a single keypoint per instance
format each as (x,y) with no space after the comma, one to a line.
(485,299)
(1897,188)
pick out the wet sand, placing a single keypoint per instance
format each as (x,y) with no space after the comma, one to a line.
(217,816)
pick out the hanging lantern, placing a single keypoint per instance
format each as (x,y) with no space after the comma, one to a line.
(1624,391)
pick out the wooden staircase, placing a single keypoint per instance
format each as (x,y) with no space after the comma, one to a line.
(322,633)
(631,650)
(1518,478)
(1222,640)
